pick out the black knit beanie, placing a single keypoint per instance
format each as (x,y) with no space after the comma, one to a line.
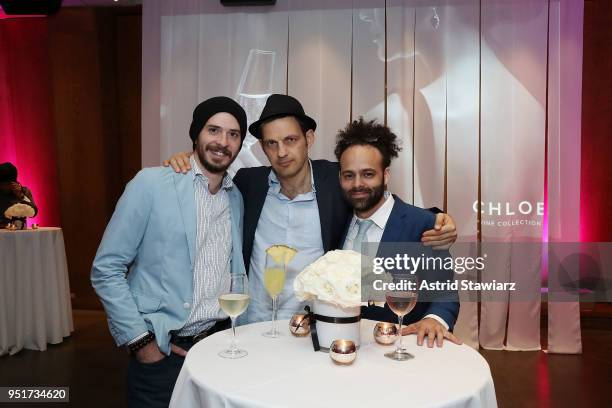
(211,107)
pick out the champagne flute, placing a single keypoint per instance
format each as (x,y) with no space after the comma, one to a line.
(234,303)
(401,300)
(274,281)
(256,84)
(277,258)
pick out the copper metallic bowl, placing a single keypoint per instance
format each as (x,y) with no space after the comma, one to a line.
(299,325)
(343,352)
(385,333)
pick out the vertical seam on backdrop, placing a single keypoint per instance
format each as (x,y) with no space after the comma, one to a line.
(413,97)
(287,56)
(445,199)
(385,84)
(546,117)
(352,57)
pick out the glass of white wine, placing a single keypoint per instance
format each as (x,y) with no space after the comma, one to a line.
(234,303)
(274,282)
(401,300)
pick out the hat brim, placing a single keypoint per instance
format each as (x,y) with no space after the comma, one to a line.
(255,128)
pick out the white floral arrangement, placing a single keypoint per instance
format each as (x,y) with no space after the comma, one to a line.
(334,278)
(19,211)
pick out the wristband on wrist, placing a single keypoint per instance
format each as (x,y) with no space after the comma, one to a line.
(140,343)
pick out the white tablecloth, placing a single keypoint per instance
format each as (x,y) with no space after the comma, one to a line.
(34,291)
(286,372)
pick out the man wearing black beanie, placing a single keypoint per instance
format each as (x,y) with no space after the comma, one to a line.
(179,239)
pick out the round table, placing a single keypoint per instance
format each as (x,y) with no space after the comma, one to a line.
(286,372)
(34,290)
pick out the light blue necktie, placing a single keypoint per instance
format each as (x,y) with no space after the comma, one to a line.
(364,225)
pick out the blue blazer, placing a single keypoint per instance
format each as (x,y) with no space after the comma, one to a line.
(406,224)
(143,270)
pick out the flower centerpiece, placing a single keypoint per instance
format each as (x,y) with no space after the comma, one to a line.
(333,283)
(18,213)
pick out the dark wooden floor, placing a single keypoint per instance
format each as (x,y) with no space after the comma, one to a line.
(95,370)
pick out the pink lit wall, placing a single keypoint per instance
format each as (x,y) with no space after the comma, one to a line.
(26,121)
(596,177)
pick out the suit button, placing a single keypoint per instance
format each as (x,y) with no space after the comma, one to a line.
(186,305)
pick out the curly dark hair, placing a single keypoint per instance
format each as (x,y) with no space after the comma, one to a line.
(368,133)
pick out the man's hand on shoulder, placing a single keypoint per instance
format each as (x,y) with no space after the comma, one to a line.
(179,162)
(443,235)
(149,354)
(433,329)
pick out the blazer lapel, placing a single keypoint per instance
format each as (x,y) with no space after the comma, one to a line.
(254,203)
(236,220)
(324,203)
(234,206)
(394,228)
(346,231)
(186,198)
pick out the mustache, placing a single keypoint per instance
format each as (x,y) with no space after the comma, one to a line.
(219,148)
(360,190)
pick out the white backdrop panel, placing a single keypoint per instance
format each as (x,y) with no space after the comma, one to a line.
(512,142)
(461,31)
(320,67)
(210,51)
(369,59)
(430,105)
(400,92)
(564,133)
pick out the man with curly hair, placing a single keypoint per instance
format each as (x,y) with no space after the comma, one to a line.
(365,150)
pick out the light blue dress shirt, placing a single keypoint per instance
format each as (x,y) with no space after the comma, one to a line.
(290,222)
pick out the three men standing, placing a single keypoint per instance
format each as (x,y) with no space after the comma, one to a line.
(296,201)
(174,239)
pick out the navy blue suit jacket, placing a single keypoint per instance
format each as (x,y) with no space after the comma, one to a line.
(407,224)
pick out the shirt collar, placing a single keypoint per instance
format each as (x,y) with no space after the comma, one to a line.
(275,186)
(381,216)
(196,170)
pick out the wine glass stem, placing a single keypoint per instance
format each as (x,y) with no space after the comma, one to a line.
(400,346)
(274,314)
(233,345)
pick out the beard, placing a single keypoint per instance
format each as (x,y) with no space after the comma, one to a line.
(211,166)
(375,194)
